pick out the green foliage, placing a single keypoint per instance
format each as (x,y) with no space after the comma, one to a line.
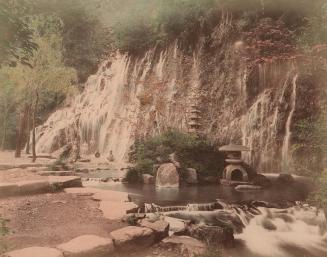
(47,75)
(315,31)
(211,252)
(3,226)
(132,220)
(16,41)
(191,151)
(319,196)
(311,144)
(147,23)
(86,40)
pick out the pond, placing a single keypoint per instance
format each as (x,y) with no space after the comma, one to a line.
(201,194)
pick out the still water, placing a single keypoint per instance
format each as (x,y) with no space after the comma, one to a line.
(201,194)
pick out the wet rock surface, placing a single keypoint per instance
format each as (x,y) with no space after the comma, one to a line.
(186,245)
(133,237)
(211,234)
(160,227)
(167,176)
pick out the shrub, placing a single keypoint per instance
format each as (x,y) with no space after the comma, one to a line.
(3,226)
(191,151)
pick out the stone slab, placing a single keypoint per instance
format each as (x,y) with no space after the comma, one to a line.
(132,237)
(65,181)
(35,252)
(33,187)
(87,246)
(116,210)
(29,187)
(56,173)
(8,189)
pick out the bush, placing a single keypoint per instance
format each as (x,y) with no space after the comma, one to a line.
(191,151)
(3,226)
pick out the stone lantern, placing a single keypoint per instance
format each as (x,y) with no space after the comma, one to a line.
(235,172)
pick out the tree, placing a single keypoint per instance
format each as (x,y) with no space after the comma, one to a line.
(16,37)
(46,75)
(7,106)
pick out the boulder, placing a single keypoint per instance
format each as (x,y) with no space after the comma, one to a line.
(284,180)
(191,176)
(65,181)
(261,180)
(167,176)
(211,234)
(186,245)
(148,179)
(35,252)
(87,245)
(177,226)
(133,237)
(160,228)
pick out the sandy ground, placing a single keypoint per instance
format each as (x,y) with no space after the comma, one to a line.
(51,219)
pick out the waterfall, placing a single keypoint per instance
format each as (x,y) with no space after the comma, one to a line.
(136,97)
(286,158)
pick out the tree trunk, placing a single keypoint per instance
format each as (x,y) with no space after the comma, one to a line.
(4,136)
(19,134)
(34,125)
(28,130)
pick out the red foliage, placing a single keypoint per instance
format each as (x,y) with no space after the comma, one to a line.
(269,41)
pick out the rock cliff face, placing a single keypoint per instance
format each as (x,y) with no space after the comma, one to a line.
(210,90)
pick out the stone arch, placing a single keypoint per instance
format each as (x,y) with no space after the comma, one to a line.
(235,173)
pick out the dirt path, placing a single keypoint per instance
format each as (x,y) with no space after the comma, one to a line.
(51,219)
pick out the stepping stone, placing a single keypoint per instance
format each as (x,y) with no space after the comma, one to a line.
(8,189)
(87,246)
(132,237)
(6,166)
(35,252)
(56,173)
(65,181)
(29,165)
(33,187)
(116,210)
(160,228)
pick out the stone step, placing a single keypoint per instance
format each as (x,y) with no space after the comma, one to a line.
(29,187)
(56,173)
(35,252)
(8,166)
(87,245)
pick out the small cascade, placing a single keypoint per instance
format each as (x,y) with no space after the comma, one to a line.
(283,232)
(286,157)
(265,229)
